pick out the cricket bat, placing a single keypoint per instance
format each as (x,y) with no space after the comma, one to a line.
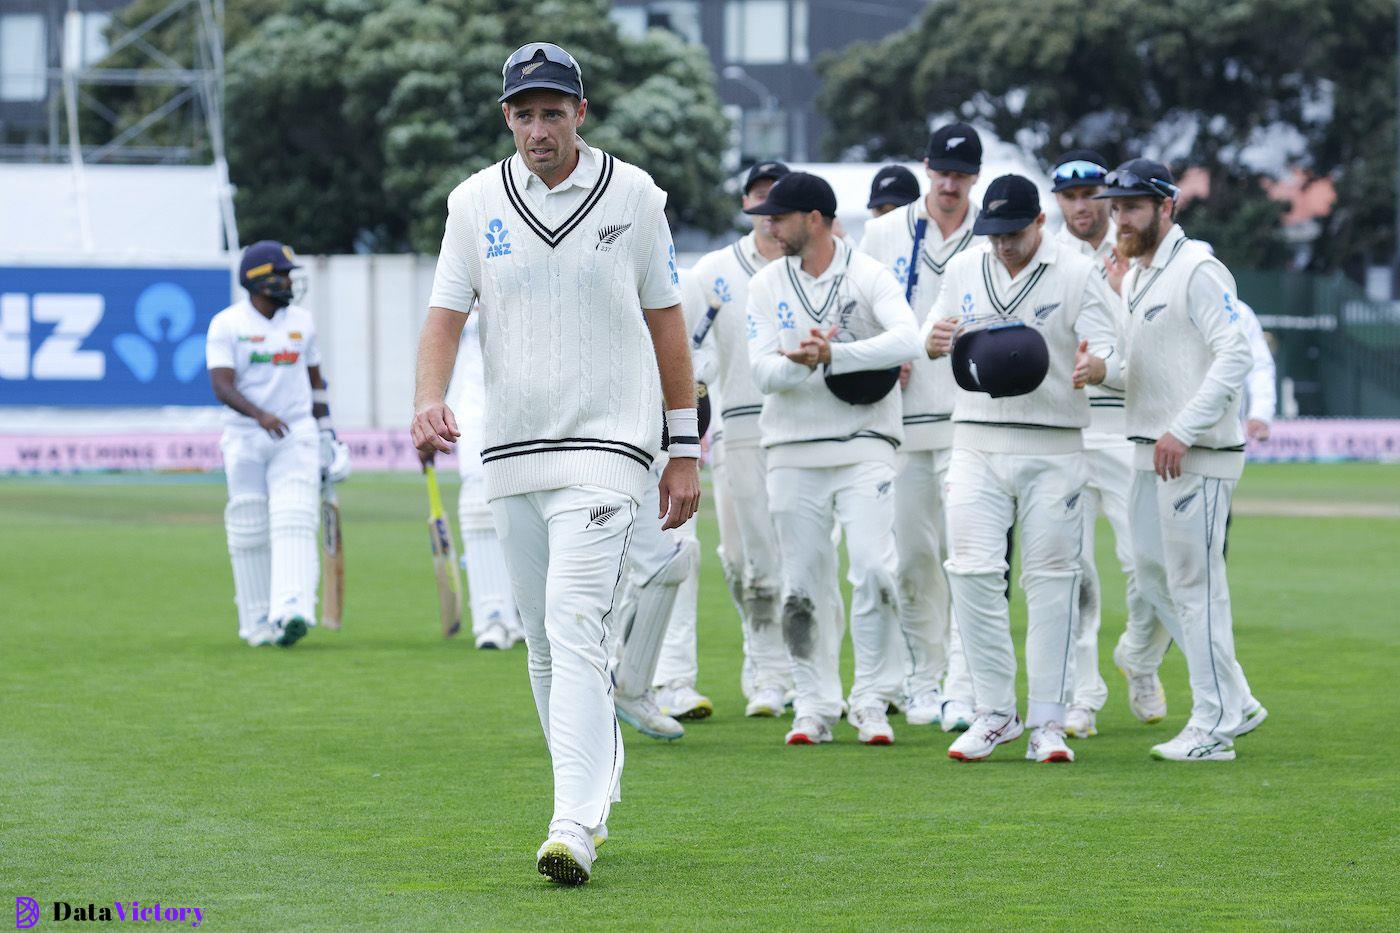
(449,584)
(332,559)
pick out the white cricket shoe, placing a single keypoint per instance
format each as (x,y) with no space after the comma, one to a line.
(262,633)
(1047,743)
(767,702)
(986,732)
(872,725)
(642,714)
(567,855)
(1146,698)
(1081,722)
(1193,744)
(924,709)
(808,730)
(1254,716)
(956,716)
(498,634)
(682,701)
(600,836)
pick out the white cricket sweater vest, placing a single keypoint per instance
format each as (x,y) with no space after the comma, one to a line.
(573,396)
(1168,359)
(1105,402)
(723,276)
(928,398)
(1048,297)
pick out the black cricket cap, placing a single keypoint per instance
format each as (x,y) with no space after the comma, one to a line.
(797,192)
(893,184)
(1011,203)
(1078,168)
(1002,360)
(540,65)
(1140,178)
(762,170)
(265,257)
(955,148)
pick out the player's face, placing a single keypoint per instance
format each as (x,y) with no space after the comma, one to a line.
(1086,218)
(1016,249)
(1140,223)
(949,189)
(881,210)
(544,124)
(757,194)
(789,231)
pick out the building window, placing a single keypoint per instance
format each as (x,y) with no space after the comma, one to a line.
(763,135)
(23,57)
(681,17)
(756,31)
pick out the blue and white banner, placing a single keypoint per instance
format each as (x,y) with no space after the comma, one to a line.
(101,337)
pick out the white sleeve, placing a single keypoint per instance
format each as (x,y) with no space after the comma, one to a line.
(942,308)
(1212,308)
(659,284)
(772,372)
(899,341)
(697,323)
(1098,324)
(313,342)
(219,352)
(457,281)
(1261,386)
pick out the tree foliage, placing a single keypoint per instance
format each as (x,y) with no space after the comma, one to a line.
(1198,82)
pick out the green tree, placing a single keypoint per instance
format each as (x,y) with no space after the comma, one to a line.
(1198,81)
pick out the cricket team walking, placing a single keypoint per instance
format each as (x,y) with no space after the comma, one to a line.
(961,379)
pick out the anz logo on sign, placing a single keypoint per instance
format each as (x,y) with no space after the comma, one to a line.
(107,337)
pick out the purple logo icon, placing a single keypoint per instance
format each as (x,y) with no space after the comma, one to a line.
(26,913)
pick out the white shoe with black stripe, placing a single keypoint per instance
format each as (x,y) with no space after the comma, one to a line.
(987,731)
(1193,744)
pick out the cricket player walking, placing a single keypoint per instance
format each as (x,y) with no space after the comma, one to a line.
(830,446)
(1018,455)
(1187,362)
(265,367)
(567,255)
(918,242)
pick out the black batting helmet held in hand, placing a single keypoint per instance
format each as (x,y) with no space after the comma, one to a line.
(863,388)
(1002,360)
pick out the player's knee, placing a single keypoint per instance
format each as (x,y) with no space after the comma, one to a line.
(246,521)
(800,625)
(879,584)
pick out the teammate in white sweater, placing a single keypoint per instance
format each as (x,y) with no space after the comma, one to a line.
(918,242)
(826,306)
(1018,457)
(1187,360)
(568,253)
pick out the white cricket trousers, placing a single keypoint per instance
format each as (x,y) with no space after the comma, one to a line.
(932,658)
(1179,550)
(566,550)
(1043,496)
(805,501)
(749,555)
(1110,464)
(272,520)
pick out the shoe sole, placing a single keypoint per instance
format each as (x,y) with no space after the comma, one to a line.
(1076,734)
(878,740)
(293,631)
(960,725)
(804,739)
(959,756)
(699,711)
(1160,757)
(558,864)
(1055,758)
(1251,724)
(649,733)
(762,712)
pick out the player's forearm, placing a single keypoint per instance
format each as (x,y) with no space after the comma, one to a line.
(228,394)
(898,345)
(437,353)
(669,338)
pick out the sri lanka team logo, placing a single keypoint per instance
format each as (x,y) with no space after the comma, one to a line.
(497,239)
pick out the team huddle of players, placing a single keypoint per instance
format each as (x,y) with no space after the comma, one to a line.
(959,373)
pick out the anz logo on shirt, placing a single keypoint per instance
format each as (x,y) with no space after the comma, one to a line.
(753,327)
(785,319)
(901,270)
(497,239)
(722,291)
(967,305)
(671,264)
(1230,309)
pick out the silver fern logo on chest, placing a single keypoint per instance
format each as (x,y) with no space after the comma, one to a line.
(1153,311)
(608,236)
(1044,311)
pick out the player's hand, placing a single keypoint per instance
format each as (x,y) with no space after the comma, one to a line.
(1088,368)
(1115,268)
(679,491)
(273,425)
(940,339)
(1166,456)
(820,341)
(426,457)
(1256,429)
(434,428)
(904,370)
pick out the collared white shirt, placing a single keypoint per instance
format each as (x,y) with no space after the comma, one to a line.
(269,358)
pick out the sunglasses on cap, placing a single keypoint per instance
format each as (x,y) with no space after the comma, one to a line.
(552,52)
(1080,169)
(1124,179)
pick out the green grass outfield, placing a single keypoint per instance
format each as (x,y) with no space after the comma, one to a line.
(381,777)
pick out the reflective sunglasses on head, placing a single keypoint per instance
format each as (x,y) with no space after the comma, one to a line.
(1080,169)
(1125,179)
(552,52)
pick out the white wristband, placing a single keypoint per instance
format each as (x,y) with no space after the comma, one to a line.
(683,426)
(320,396)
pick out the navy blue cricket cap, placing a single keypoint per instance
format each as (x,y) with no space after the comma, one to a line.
(266,257)
(1140,178)
(1002,360)
(893,184)
(797,192)
(762,170)
(1011,203)
(955,148)
(1078,168)
(540,65)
